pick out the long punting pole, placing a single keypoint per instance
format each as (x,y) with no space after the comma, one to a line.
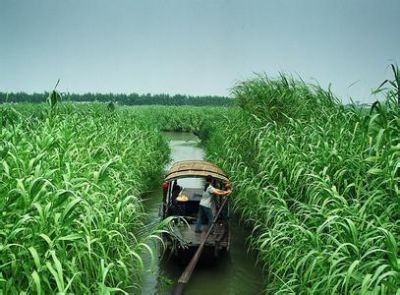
(184,278)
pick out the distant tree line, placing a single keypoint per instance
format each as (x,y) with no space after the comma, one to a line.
(123,99)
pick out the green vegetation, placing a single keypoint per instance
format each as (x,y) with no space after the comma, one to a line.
(394,85)
(71,218)
(319,183)
(122,99)
(71,179)
(199,120)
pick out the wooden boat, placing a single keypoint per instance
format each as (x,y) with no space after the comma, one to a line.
(183,202)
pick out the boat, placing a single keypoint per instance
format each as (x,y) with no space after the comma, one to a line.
(182,203)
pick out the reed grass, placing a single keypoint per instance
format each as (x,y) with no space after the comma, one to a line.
(319,183)
(70,185)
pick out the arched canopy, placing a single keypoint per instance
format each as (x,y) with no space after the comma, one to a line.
(195,168)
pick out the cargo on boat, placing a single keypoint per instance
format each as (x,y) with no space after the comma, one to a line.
(183,202)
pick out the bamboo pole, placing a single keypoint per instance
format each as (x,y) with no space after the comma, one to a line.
(185,277)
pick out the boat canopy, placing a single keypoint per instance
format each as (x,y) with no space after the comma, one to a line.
(195,168)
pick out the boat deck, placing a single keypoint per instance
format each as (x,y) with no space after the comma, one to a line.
(219,236)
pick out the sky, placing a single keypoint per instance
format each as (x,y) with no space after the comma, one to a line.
(196,47)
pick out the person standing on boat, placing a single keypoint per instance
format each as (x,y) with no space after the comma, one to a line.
(206,202)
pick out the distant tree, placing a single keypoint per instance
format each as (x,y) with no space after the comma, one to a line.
(122,99)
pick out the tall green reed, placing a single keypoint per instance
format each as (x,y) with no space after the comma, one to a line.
(318,182)
(71,208)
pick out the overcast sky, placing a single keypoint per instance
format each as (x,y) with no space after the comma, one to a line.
(195,47)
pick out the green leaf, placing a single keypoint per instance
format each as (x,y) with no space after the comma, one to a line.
(375,171)
(36,280)
(35,257)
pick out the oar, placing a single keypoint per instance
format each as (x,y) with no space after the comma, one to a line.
(184,278)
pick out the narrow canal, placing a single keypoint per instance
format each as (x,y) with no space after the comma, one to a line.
(237,273)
